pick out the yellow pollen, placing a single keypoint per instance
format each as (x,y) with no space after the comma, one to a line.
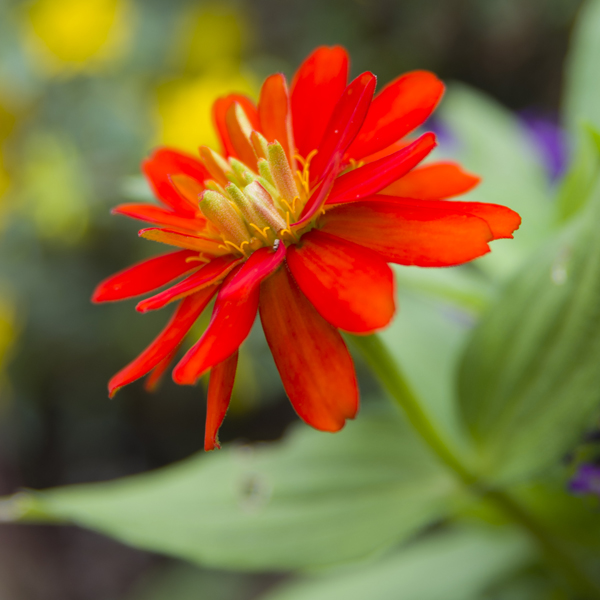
(260,231)
(199,258)
(227,245)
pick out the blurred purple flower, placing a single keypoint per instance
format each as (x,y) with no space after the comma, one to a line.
(586,480)
(550,140)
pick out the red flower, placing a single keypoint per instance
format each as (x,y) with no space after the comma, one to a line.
(315,191)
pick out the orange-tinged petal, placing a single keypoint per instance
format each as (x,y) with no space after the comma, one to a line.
(350,286)
(434,181)
(162,166)
(167,341)
(220,108)
(239,129)
(146,276)
(220,386)
(232,318)
(184,240)
(346,120)
(160,216)
(400,107)
(315,366)
(275,113)
(210,274)
(316,88)
(425,233)
(373,177)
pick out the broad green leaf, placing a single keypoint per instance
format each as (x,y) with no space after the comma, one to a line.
(491,143)
(313,500)
(530,377)
(455,565)
(582,74)
(578,183)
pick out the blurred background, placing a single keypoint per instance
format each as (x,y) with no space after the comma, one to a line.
(87,89)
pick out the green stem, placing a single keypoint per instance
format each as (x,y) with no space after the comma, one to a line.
(378,357)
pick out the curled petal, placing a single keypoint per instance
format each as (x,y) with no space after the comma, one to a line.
(315,366)
(210,274)
(373,177)
(316,88)
(275,113)
(346,120)
(434,181)
(220,109)
(167,341)
(160,216)
(184,240)
(425,233)
(146,276)
(220,386)
(398,109)
(232,318)
(350,286)
(162,166)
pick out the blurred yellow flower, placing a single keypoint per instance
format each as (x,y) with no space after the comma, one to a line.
(210,38)
(184,108)
(55,190)
(77,35)
(7,336)
(209,50)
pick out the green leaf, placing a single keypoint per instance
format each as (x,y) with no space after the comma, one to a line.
(582,73)
(455,565)
(530,379)
(491,143)
(314,499)
(578,183)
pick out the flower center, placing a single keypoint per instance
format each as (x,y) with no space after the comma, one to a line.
(248,209)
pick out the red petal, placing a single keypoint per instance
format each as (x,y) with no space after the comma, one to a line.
(316,88)
(145,276)
(502,220)
(400,107)
(184,240)
(167,341)
(220,387)
(426,233)
(375,176)
(259,266)
(347,118)
(155,376)
(220,108)
(315,366)
(350,286)
(232,318)
(212,273)
(160,216)
(275,113)
(434,181)
(318,198)
(166,163)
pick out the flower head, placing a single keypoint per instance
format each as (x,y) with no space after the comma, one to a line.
(315,190)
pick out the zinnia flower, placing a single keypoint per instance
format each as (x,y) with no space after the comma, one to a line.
(314,192)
